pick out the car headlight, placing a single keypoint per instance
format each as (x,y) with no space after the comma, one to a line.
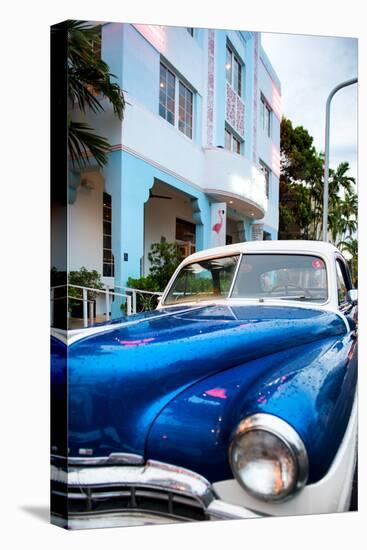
(268,458)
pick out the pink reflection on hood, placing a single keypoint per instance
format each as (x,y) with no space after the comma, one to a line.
(132,343)
(217,392)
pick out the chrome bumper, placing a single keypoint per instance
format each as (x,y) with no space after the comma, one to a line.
(126,495)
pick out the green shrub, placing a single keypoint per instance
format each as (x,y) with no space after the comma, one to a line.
(83,277)
(164,260)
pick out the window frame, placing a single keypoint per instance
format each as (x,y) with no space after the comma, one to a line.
(178,82)
(167,97)
(111,264)
(266,114)
(268,173)
(234,59)
(233,139)
(187,246)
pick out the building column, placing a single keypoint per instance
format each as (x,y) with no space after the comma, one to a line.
(128,180)
(137,180)
(202,217)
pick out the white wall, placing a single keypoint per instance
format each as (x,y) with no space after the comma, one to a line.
(269,147)
(160,219)
(85,226)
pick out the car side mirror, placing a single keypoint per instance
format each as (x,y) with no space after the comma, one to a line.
(352,296)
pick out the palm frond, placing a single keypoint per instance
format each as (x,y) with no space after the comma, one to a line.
(89,81)
(83,144)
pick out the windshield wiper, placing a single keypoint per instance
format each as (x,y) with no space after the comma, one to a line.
(301,297)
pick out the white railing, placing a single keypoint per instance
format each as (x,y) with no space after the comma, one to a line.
(146,297)
(130,295)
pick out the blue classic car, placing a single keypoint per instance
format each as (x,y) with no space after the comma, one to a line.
(235,398)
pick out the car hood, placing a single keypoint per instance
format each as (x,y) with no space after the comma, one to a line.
(120,380)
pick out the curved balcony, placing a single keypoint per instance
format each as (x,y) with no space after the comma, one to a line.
(232,178)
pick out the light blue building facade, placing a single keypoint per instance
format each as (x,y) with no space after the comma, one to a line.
(201,129)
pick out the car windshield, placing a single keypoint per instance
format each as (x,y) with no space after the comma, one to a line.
(203,280)
(281,276)
(259,276)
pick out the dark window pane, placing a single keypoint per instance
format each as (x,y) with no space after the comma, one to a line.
(239,75)
(229,65)
(106,227)
(107,199)
(107,214)
(166,94)
(185,231)
(268,121)
(236,146)
(170,117)
(171,92)
(170,105)
(185,110)
(227,140)
(108,259)
(235,75)
(170,79)
(107,256)
(107,241)
(108,270)
(188,100)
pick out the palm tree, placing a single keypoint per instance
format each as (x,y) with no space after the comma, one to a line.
(341,218)
(349,209)
(89,82)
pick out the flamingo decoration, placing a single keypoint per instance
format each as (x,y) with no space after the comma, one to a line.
(218,226)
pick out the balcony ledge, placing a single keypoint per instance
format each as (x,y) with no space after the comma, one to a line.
(234,179)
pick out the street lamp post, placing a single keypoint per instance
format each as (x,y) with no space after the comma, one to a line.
(327,148)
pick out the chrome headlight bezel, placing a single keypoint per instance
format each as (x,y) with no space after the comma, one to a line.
(289,438)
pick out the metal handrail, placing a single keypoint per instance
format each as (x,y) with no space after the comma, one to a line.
(139,290)
(130,295)
(85,289)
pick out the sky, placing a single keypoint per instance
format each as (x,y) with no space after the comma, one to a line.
(309,67)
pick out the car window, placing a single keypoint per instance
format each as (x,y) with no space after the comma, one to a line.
(281,276)
(342,282)
(203,280)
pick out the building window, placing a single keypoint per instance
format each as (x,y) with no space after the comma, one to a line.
(190,30)
(265,116)
(171,88)
(231,143)
(167,86)
(267,172)
(185,110)
(185,237)
(108,259)
(233,70)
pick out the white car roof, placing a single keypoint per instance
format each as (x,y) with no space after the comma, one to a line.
(314,247)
